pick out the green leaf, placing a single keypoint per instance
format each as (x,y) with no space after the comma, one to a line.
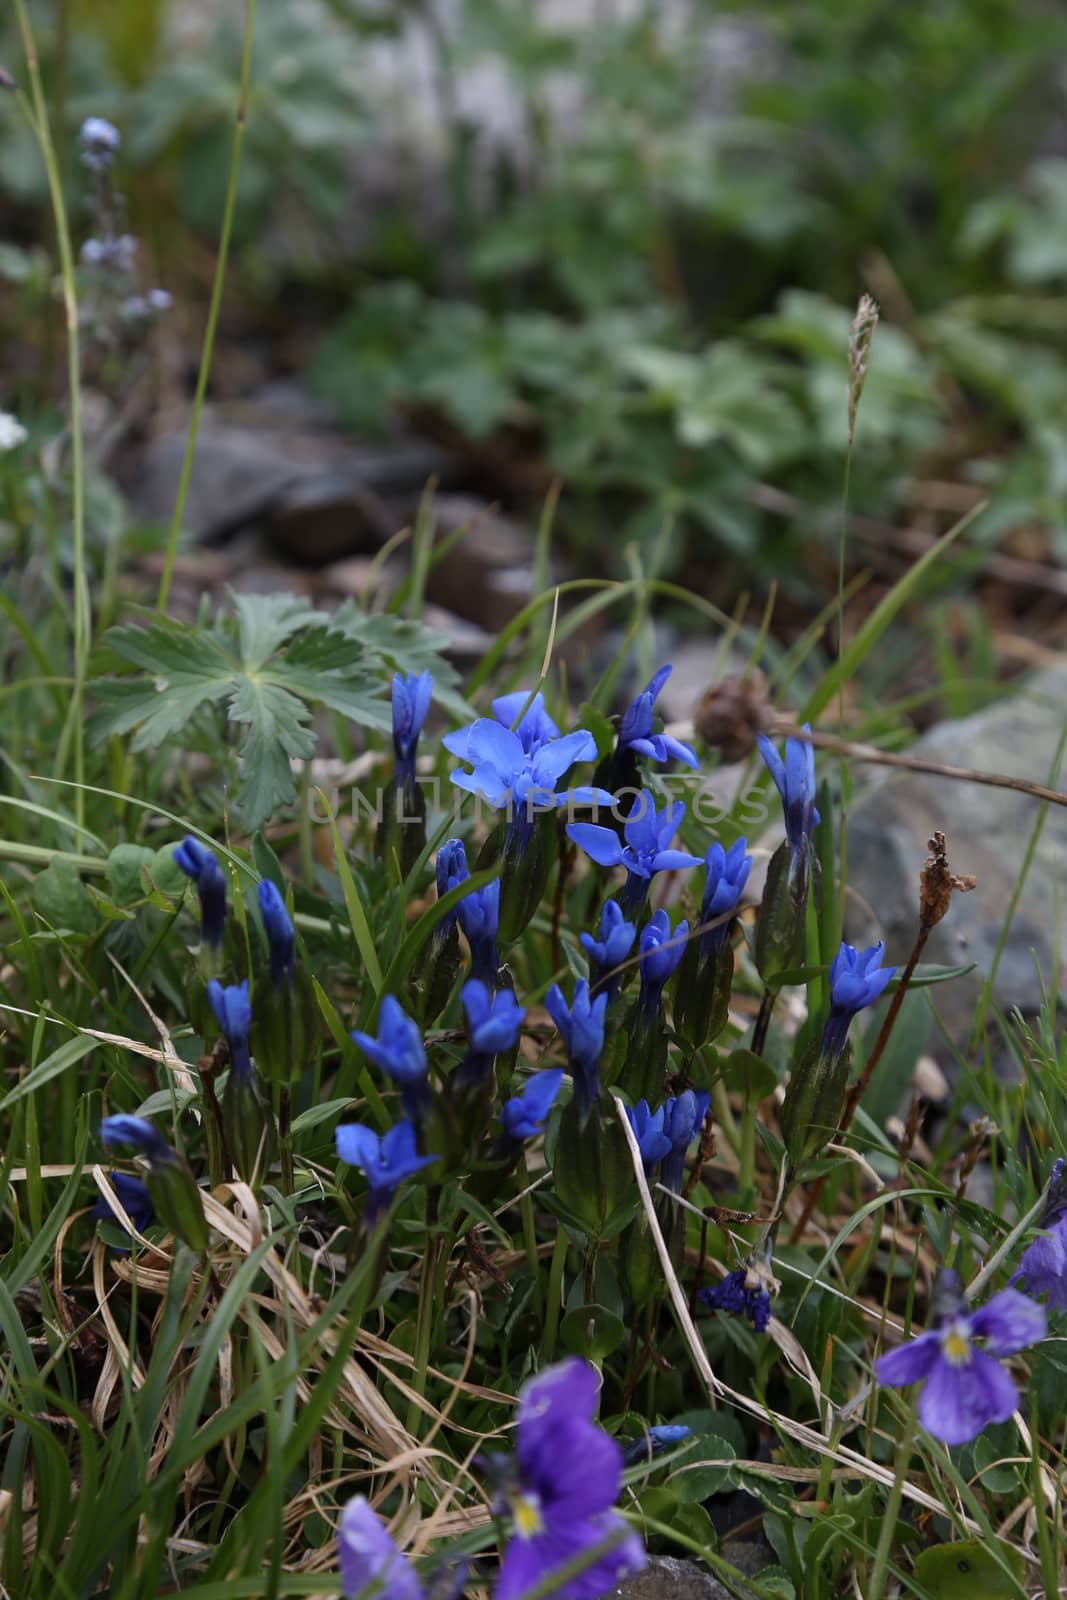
(969,1570)
(124,866)
(63,900)
(592,1331)
(269,665)
(749,1075)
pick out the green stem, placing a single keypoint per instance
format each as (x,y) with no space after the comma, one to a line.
(213,310)
(285,1137)
(82,613)
(746,1178)
(555,1294)
(39,855)
(423,1327)
(892,1510)
(529,1237)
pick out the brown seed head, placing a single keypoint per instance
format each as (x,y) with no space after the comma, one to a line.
(937,884)
(731,714)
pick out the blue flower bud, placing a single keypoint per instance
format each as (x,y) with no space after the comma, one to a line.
(795,781)
(233,1013)
(279,931)
(726,876)
(201,865)
(857,979)
(582,1028)
(411,701)
(652,1141)
(493,1020)
(683,1120)
(136,1202)
(523,1116)
(398,1051)
(661,952)
(654,1441)
(479,917)
(607,952)
(170,1182)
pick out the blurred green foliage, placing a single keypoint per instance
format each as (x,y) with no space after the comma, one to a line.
(646,283)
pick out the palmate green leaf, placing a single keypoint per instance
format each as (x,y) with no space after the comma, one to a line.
(269,665)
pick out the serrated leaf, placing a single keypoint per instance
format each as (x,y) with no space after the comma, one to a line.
(278,728)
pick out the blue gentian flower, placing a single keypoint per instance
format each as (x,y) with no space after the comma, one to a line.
(451,872)
(367,1555)
(795,781)
(964,1387)
(661,951)
(742,1294)
(506,773)
(138,1132)
(654,1441)
(479,917)
(643,850)
(523,1116)
(99,141)
(635,729)
(683,1119)
(398,1051)
(493,1020)
(652,1141)
(385,1162)
(233,1013)
(568,1475)
(607,952)
(726,876)
(535,728)
(279,931)
(202,866)
(582,1028)
(856,980)
(135,1198)
(411,702)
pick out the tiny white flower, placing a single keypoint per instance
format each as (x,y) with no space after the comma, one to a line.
(12,433)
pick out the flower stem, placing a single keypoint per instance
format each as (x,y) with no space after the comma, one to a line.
(763,1020)
(213,310)
(529,1237)
(75,725)
(892,1510)
(285,1137)
(555,1294)
(423,1328)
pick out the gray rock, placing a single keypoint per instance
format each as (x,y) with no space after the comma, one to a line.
(487,575)
(316,493)
(987,832)
(668,1578)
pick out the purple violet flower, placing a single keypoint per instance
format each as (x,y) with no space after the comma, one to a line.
(1043,1264)
(367,1555)
(567,1476)
(964,1387)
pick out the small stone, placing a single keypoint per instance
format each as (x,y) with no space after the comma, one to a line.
(669,1578)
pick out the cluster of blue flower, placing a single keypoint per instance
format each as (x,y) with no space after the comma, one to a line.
(111,257)
(519,759)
